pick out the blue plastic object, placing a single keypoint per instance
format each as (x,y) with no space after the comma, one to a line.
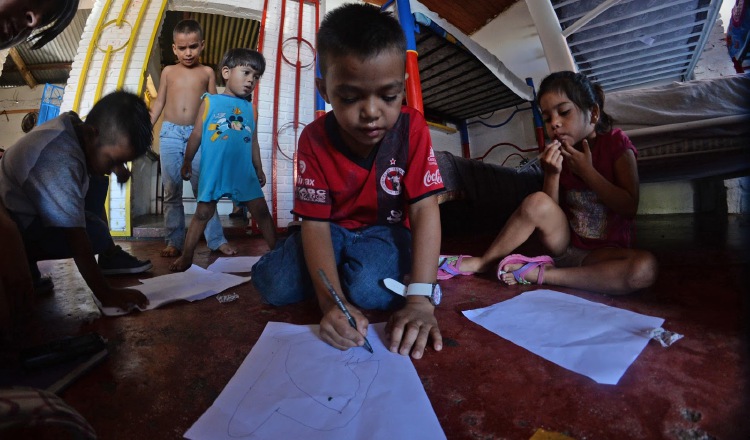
(52,97)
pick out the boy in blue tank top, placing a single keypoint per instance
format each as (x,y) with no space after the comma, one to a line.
(230,165)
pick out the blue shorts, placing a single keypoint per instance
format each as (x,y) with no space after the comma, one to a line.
(364,258)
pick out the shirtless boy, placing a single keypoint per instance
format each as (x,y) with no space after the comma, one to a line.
(180,90)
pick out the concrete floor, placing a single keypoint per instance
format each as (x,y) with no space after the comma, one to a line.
(167,366)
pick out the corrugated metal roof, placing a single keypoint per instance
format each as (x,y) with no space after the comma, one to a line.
(63,48)
(634,43)
(51,63)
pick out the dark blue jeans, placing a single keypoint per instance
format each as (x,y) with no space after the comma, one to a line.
(364,258)
(46,243)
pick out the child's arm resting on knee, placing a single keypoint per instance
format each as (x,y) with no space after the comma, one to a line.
(83,255)
(334,327)
(411,327)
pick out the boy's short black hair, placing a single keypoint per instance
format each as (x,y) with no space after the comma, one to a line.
(188,26)
(358,29)
(119,114)
(243,57)
(54,22)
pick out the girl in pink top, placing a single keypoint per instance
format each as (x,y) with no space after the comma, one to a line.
(584,214)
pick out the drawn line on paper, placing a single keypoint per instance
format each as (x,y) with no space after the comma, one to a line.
(305,402)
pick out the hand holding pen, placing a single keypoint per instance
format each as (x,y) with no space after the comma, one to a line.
(340,304)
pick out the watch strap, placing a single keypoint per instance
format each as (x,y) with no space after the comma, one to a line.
(395,286)
(421,289)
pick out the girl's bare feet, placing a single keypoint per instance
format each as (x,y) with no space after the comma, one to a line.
(227,249)
(170,251)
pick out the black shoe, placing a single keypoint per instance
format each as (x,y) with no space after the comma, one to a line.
(117,262)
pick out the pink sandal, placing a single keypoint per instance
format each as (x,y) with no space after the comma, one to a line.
(448,266)
(529,263)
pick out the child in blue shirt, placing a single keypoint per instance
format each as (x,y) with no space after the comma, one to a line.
(230,166)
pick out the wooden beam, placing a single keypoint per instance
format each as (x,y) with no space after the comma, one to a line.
(37,67)
(21,110)
(27,76)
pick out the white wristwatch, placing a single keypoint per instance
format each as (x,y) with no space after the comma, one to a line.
(430,290)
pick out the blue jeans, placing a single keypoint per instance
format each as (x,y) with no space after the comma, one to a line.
(363,257)
(172,142)
(47,243)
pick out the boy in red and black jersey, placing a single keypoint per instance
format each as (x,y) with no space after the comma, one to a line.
(366,191)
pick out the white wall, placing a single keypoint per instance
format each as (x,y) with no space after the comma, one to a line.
(513,39)
(519,131)
(444,141)
(284,110)
(16,99)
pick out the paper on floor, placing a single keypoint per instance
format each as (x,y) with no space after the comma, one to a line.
(589,338)
(233,264)
(293,385)
(193,284)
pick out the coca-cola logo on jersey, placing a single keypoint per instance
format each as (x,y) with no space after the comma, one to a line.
(432,178)
(431,159)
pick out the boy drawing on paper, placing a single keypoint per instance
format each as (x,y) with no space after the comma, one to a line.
(53,186)
(179,96)
(366,192)
(225,131)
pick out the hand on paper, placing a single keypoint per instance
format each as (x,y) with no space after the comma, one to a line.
(336,331)
(124,299)
(411,327)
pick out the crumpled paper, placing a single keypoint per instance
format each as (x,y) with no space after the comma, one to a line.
(664,337)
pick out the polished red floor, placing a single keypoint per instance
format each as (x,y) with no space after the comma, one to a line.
(167,366)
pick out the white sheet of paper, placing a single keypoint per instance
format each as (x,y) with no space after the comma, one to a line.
(592,339)
(233,264)
(193,284)
(294,385)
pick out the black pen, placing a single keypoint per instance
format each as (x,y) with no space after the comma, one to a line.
(341,305)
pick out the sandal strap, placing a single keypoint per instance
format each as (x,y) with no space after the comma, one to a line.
(449,265)
(519,273)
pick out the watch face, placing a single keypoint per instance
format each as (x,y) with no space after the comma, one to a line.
(437,294)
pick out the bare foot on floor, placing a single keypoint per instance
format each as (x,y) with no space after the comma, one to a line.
(181,264)
(170,251)
(226,249)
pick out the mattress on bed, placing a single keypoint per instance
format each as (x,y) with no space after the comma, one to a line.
(681,102)
(695,158)
(687,130)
